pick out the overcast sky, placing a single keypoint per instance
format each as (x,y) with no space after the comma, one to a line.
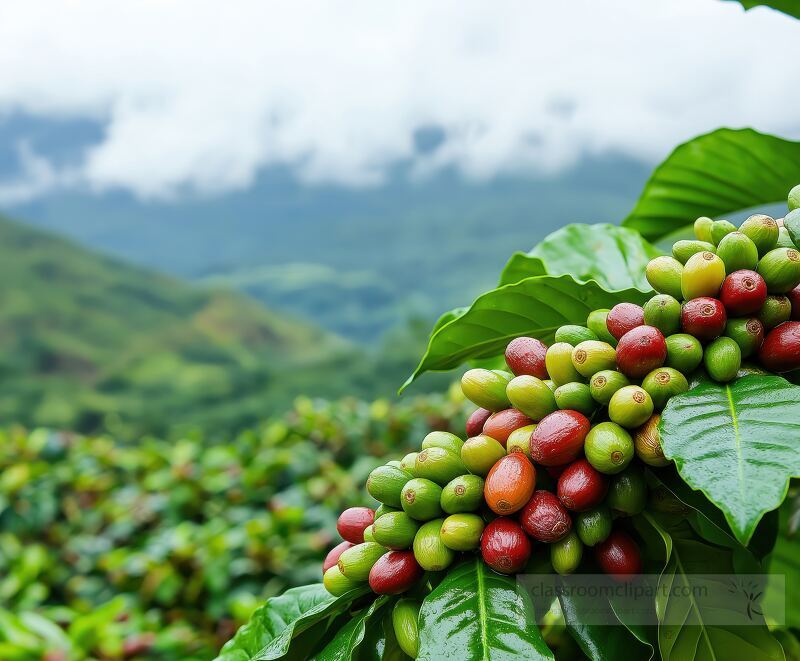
(197,96)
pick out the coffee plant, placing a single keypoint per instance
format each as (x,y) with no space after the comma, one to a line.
(636,414)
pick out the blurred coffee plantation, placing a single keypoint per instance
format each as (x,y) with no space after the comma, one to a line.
(160,549)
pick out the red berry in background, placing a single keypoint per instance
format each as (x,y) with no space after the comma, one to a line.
(509,484)
(525,355)
(353,521)
(545,518)
(500,425)
(581,486)
(624,317)
(794,297)
(504,546)
(640,351)
(781,349)
(476,421)
(558,438)
(333,555)
(704,317)
(619,556)
(394,572)
(743,293)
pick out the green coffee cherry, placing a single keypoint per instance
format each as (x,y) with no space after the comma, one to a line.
(785,239)
(550,384)
(684,352)
(394,462)
(385,483)
(722,359)
(630,407)
(647,442)
(591,356)
(780,269)
(486,388)
(605,383)
(608,447)
(429,550)
(792,226)
(663,312)
(737,252)
(405,622)
(532,396)
(702,228)
(395,530)
(462,532)
(355,562)
(369,533)
(519,440)
(439,465)
(337,583)
(575,397)
(566,554)
(662,384)
(442,439)
(703,275)
(421,498)
(558,361)
(627,493)
(573,334)
(747,333)
(407,462)
(664,275)
(720,229)
(464,494)
(594,526)
(480,453)
(384,509)
(596,322)
(794,198)
(775,311)
(762,231)
(683,250)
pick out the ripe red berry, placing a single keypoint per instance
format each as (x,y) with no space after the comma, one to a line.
(510,484)
(624,317)
(781,349)
(640,351)
(500,425)
(581,486)
(704,317)
(353,521)
(476,421)
(545,518)
(794,297)
(504,546)
(619,556)
(743,293)
(525,355)
(333,555)
(558,438)
(394,572)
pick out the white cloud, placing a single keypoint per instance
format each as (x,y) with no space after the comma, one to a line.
(197,96)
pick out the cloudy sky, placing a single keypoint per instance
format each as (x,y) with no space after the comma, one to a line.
(195,97)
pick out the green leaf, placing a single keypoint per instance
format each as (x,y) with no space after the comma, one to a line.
(737,443)
(714,174)
(520,266)
(614,257)
(785,561)
(281,619)
(477,614)
(536,307)
(790,7)
(700,634)
(347,642)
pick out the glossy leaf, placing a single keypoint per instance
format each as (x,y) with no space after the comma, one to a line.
(688,628)
(475,613)
(785,561)
(737,443)
(714,174)
(790,7)
(614,257)
(346,644)
(520,266)
(535,306)
(281,619)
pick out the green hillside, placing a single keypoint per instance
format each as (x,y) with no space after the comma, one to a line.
(88,342)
